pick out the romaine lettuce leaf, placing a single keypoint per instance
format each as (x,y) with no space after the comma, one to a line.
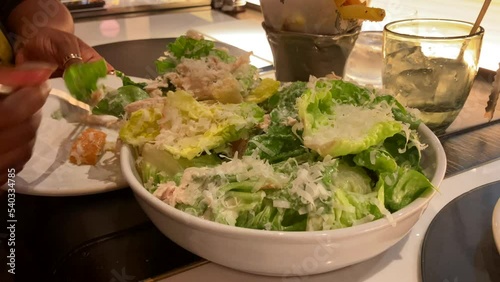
(376,159)
(128,81)
(405,151)
(399,111)
(266,216)
(191,127)
(340,118)
(115,101)
(159,166)
(81,79)
(353,200)
(266,88)
(403,187)
(152,176)
(141,127)
(280,142)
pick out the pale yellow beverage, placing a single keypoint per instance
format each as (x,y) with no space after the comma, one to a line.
(438,89)
(430,65)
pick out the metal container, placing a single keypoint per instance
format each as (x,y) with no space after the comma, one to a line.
(217,4)
(300,55)
(233,6)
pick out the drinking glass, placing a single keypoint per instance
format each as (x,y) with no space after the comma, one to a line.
(430,65)
(364,64)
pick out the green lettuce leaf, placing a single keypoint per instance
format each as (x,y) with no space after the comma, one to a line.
(376,159)
(266,88)
(194,127)
(141,127)
(81,79)
(399,111)
(280,142)
(354,199)
(187,47)
(128,81)
(403,187)
(340,118)
(405,151)
(266,216)
(159,166)
(115,101)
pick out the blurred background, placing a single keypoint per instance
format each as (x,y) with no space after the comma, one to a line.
(115,20)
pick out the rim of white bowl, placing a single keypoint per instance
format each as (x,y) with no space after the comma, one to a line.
(127,162)
(495,223)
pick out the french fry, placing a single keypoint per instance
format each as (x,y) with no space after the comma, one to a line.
(353,2)
(322,17)
(339,3)
(361,12)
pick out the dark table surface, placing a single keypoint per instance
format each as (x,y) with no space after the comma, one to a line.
(459,244)
(107,237)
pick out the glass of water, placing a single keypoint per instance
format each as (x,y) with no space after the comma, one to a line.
(430,65)
(364,64)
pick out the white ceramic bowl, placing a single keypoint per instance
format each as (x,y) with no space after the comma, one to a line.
(285,253)
(495,224)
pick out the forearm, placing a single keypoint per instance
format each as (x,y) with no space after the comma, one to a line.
(31,15)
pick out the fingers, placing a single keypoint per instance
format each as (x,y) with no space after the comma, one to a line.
(89,54)
(28,74)
(12,136)
(15,158)
(70,46)
(20,149)
(20,58)
(49,45)
(39,48)
(20,117)
(54,46)
(21,105)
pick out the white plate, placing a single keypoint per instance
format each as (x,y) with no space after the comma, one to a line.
(49,173)
(496,224)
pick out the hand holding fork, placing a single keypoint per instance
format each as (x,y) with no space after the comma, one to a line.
(24,90)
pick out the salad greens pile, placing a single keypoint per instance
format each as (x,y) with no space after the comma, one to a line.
(190,48)
(331,155)
(315,155)
(191,64)
(187,128)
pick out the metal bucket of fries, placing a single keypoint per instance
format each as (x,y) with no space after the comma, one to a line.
(297,55)
(313,37)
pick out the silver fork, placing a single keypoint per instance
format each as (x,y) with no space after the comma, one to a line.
(72,109)
(75,111)
(5,90)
